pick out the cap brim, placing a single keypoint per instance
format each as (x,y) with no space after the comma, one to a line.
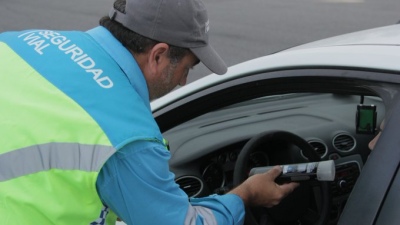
(210,58)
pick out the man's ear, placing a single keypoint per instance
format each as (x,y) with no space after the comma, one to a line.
(158,58)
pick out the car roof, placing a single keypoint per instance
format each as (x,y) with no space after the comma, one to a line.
(388,35)
(375,49)
(371,49)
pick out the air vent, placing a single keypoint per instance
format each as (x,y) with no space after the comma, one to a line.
(319,146)
(344,142)
(192,186)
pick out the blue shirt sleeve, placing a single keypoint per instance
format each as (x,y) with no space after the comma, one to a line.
(137,185)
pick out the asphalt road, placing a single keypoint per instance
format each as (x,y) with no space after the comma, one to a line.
(239,29)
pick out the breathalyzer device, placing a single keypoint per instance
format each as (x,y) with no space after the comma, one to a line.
(321,171)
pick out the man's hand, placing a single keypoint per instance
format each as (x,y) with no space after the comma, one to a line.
(261,189)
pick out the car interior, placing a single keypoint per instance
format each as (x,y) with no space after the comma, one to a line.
(335,117)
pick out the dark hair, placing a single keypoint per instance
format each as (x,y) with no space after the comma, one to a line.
(135,42)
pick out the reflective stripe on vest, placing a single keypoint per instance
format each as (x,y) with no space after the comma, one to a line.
(65,156)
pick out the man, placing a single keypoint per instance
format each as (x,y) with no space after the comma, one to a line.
(79,144)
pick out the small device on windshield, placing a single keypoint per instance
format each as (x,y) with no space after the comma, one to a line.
(366,119)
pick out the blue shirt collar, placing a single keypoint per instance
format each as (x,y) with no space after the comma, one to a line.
(124,59)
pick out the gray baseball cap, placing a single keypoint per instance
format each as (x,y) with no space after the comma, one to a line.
(183,23)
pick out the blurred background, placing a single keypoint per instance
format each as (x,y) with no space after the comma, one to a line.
(239,29)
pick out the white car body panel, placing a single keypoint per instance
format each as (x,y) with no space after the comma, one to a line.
(370,49)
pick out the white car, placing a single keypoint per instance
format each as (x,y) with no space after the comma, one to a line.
(320,101)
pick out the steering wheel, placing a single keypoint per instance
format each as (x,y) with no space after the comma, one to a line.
(297,207)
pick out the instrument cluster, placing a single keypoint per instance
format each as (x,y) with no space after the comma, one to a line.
(217,173)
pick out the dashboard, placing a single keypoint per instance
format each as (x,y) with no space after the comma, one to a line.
(204,150)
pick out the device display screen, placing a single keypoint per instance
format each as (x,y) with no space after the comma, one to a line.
(366,119)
